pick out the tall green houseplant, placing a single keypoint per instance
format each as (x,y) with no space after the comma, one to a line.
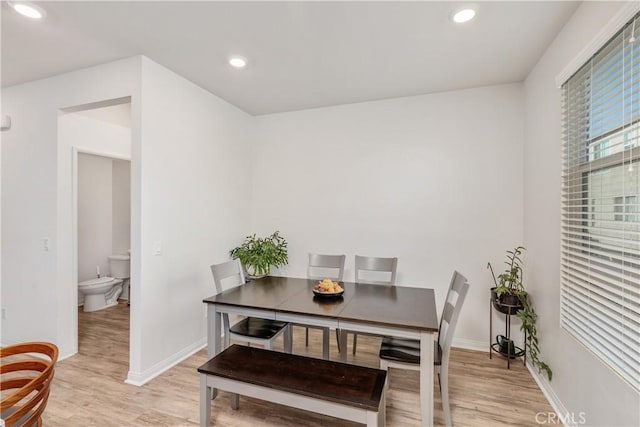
(259,254)
(509,283)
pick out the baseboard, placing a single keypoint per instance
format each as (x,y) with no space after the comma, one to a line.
(140,379)
(551,396)
(542,381)
(66,356)
(470,344)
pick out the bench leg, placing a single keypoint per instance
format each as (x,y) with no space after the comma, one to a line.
(373,419)
(205,402)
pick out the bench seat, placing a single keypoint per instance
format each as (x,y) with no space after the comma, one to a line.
(340,390)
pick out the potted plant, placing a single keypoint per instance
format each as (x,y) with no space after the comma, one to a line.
(259,254)
(510,297)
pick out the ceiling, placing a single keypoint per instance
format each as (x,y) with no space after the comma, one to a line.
(300,54)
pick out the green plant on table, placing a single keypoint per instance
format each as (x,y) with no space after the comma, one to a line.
(510,282)
(259,254)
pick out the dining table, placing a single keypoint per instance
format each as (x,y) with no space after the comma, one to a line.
(399,311)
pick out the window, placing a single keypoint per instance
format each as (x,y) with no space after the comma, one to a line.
(600,247)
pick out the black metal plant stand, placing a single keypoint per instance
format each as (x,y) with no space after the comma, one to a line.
(508,310)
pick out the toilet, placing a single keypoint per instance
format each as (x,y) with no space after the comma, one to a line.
(104,292)
(120,266)
(100,293)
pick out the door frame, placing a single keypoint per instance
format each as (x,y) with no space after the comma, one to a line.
(76,150)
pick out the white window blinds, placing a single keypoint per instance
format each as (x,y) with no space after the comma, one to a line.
(600,248)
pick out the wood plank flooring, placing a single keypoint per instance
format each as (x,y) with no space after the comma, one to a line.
(89,390)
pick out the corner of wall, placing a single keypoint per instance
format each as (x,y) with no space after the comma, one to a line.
(141,378)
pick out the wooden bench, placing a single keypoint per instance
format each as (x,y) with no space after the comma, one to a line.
(340,390)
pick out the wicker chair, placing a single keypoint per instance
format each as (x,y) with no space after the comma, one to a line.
(25,379)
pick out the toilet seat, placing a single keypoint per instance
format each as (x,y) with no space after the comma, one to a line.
(96,283)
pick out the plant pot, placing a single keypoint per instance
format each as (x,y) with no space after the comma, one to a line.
(507,348)
(507,303)
(251,272)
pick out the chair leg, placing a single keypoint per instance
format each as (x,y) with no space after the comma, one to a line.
(355,342)
(306,337)
(288,339)
(325,343)
(384,366)
(235,401)
(444,393)
(338,339)
(227,339)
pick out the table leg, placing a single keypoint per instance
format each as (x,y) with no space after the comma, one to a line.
(214,325)
(426,378)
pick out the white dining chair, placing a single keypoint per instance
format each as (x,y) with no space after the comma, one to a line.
(228,275)
(324,267)
(374,271)
(404,353)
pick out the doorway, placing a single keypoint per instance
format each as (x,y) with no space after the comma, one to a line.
(100,139)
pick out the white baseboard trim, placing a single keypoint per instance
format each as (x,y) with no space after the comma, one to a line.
(551,396)
(470,344)
(141,378)
(542,381)
(66,356)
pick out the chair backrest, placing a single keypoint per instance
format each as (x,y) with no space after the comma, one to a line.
(25,389)
(227,275)
(452,306)
(364,264)
(325,263)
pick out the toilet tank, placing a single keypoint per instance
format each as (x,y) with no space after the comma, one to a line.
(119,265)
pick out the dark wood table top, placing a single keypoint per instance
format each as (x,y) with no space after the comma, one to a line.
(306,302)
(321,379)
(268,292)
(385,305)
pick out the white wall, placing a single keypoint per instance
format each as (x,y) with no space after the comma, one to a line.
(104,214)
(194,182)
(581,383)
(435,180)
(37,202)
(95,215)
(121,209)
(189,181)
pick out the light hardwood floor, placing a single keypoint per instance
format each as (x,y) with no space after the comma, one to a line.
(88,388)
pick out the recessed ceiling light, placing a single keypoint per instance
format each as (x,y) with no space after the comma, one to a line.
(464,15)
(27,9)
(238,62)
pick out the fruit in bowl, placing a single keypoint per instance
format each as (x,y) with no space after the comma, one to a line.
(328,286)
